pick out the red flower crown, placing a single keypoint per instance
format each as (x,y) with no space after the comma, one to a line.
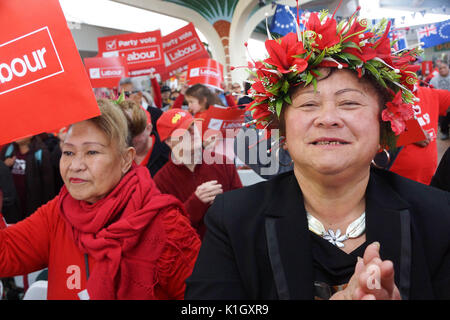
(295,58)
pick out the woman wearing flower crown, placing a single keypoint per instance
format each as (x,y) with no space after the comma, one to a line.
(333,228)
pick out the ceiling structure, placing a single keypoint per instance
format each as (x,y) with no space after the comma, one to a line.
(227,24)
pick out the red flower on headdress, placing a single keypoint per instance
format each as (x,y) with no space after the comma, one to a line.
(326,36)
(260,92)
(383,46)
(281,53)
(367,52)
(397,112)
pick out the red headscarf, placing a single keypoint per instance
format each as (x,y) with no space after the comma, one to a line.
(119,226)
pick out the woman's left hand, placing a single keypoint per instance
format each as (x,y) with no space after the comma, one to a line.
(373,279)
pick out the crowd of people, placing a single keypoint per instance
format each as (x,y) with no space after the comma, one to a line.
(125,206)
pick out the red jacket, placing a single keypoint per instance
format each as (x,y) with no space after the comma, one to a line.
(414,162)
(43,240)
(179,181)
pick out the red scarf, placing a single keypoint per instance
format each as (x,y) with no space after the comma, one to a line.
(122,233)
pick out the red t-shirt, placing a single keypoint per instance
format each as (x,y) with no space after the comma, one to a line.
(179,181)
(414,162)
(149,153)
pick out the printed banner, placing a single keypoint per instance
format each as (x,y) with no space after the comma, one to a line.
(43,83)
(141,50)
(220,118)
(180,47)
(205,71)
(427,67)
(106,72)
(413,133)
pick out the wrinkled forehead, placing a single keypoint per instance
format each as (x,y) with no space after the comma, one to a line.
(86,131)
(331,81)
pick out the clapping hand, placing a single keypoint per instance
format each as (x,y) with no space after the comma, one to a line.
(373,279)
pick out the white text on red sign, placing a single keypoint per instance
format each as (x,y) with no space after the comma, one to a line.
(28,59)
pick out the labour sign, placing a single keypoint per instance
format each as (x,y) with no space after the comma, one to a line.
(141,50)
(205,71)
(180,47)
(106,72)
(43,84)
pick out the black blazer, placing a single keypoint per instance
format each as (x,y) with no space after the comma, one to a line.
(257,245)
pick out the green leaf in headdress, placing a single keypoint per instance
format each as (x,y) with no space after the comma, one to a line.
(121,98)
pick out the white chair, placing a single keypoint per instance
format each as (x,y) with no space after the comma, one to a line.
(37,291)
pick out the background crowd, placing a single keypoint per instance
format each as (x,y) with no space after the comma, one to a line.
(30,167)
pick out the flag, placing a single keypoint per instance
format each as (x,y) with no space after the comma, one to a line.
(374,22)
(433,34)
(399,39)
(283,21)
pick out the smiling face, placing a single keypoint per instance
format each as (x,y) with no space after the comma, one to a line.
(91,165)
(335,129)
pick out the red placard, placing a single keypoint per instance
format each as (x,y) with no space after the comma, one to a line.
(106,72)
(43,83)
(220,118)
(413,133)
(427,67)
(141,50)
(158,71)
(205,71)
(182,46)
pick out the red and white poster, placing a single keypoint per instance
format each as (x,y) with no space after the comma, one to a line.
(413,133)
(106,72)
(180,47)
(143,51)
(224,119)
(43,83)
(205,71)
(427,67)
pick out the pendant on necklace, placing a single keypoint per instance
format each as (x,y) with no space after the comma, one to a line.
(335,238)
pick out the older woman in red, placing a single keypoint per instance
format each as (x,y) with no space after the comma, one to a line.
(110,233)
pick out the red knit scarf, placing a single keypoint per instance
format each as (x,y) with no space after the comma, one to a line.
(113,228)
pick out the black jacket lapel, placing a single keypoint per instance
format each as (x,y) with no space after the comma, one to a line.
(388,222)
(288,241)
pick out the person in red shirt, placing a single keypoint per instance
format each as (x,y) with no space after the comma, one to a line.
(150,151)
(109,233)
(185,175)
(419,161)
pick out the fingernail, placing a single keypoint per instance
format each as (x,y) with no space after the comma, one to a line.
(358,259)
(376,243)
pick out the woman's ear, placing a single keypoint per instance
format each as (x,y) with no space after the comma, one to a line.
(127,160)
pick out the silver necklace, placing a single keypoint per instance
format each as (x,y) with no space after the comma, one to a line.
(354,230)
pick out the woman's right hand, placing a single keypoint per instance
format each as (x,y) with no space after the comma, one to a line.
(373,279)
(10,161)
(208,191)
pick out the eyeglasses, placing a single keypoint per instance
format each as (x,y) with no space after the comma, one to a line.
(129,93)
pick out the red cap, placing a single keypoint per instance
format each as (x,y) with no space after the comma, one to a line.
(171,120)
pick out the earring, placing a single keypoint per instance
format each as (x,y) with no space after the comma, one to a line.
(388,160)
(277,155)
